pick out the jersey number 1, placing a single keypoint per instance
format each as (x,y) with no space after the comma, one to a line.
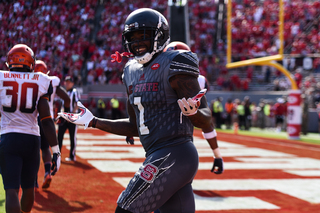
(142,128)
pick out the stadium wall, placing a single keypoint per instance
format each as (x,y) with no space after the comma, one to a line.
(119,90)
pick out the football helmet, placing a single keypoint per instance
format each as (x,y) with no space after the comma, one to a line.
(154,27)
(176,45)
(21,57)
(41,67)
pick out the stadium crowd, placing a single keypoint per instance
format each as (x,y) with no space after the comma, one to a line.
(77,38)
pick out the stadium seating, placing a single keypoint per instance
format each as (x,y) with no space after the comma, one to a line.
(77,37)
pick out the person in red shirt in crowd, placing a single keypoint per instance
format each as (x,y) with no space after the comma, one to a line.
(236,82)
(318,111)
(245,84)
(280,110)
(229,107)
(298,77)
(250,71)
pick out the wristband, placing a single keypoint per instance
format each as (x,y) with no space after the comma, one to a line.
(55,149)
(210,135)
(217,153)
(94,122)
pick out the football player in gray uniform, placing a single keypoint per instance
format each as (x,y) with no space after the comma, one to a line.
(163,107)
(217,167)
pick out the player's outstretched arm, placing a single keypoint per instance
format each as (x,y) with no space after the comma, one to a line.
(50,132)
(125,126)
(82,118)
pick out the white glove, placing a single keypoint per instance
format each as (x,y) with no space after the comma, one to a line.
(190,107)
(56,159)
(82,118)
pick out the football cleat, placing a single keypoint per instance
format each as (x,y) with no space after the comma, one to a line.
(70,159)
(46,181)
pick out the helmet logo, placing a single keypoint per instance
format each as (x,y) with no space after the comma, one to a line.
(155,66)
(133,25)
(170,48)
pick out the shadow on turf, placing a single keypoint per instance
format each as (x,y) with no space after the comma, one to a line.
(77,164)
(56,204)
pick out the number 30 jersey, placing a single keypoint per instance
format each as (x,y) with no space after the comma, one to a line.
(19,96)
(155,102)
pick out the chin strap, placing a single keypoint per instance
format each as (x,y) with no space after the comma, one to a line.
(117,57)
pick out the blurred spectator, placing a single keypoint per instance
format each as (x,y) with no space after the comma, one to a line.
(101,108)
(229,111)
(217,112)
(261,114)
(305,114)
(254,114)
(298,77)
(241,115)
(115,108)
(247,112)
(92,105)
(280,112)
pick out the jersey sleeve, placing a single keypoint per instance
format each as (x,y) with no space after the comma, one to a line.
(55,81)
(49,91)
(186,63)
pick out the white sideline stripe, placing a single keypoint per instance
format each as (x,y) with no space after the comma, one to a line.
(115,166)
(219,203)
(103,140)
(230,152)
(196,138)
(304,173)
(111,155)
(128,148)
(304,189)
(231,203)
(259,166)
(283,144)
(127,166)
(94,137)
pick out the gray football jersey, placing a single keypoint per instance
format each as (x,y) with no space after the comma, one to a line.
(155,102)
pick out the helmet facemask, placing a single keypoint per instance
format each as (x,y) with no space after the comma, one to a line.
(145,36)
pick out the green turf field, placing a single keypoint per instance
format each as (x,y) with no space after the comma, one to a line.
(270,133)
(2,197)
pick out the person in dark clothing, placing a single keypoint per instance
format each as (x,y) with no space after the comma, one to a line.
(247,113)
(72,128)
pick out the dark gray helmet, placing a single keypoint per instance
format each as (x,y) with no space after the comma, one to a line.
(146,20)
